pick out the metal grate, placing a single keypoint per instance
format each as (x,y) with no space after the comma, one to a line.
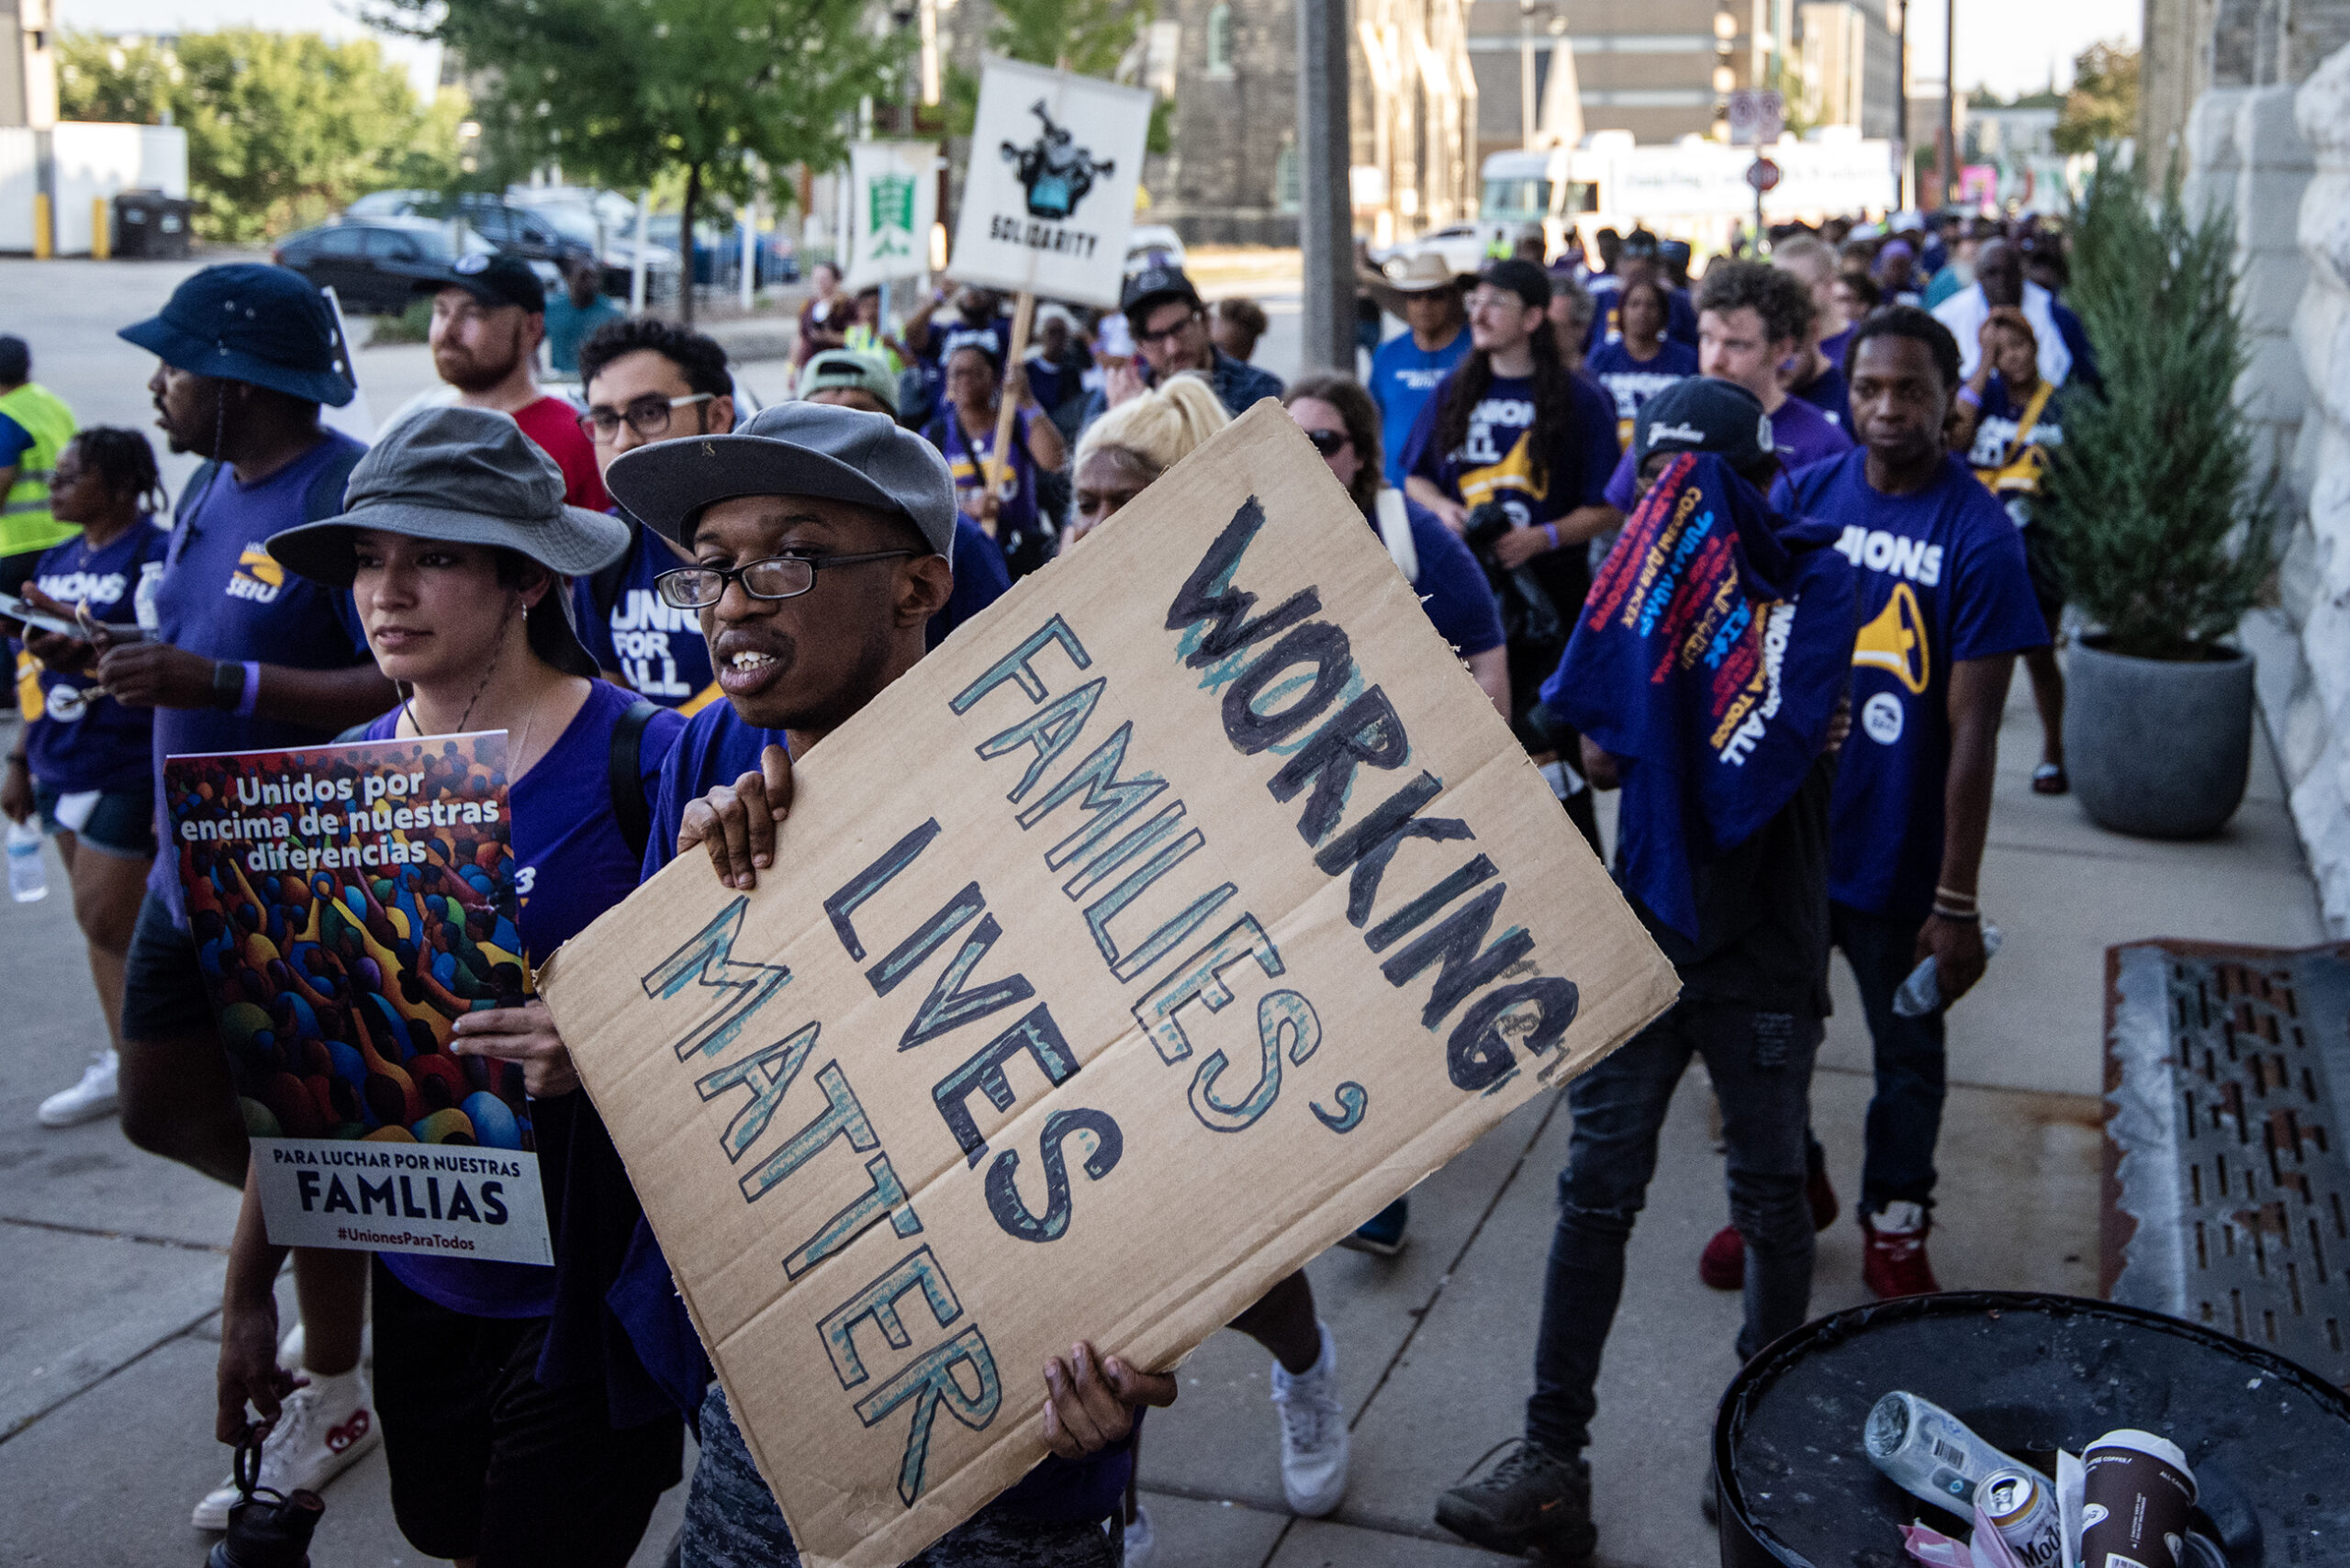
(2251,1048)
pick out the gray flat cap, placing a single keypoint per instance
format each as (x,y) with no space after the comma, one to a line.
(466,476)
(792,449)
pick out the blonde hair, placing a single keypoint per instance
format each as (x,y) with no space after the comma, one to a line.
(1161,427)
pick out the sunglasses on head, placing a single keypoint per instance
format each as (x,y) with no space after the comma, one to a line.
(1327,443)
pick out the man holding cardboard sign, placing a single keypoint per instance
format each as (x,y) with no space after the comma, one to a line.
(999,969)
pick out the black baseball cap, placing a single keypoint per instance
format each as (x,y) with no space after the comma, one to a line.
(1526,280)
(495,279)
(1152,287)
(1701,413)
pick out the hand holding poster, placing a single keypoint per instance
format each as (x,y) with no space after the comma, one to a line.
(1050,199)
(1181,911)
(348,903)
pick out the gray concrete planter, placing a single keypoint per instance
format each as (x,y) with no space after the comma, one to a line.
(2156,748)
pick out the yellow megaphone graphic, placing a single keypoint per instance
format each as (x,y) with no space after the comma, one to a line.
(1895,640)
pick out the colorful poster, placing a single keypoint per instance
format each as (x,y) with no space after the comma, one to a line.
(348,903)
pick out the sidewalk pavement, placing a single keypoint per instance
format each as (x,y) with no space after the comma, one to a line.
(114,1259)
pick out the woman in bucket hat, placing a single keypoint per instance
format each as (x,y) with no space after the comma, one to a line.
(518,1424)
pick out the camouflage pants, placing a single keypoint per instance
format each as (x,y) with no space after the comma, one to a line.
(731,1520)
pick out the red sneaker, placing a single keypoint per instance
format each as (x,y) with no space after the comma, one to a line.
(1895,1263)
(1722,1264)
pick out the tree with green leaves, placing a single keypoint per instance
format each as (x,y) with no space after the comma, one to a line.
(2165,526)
(730,93)
(283,129)
(1086,37)
(2102,107)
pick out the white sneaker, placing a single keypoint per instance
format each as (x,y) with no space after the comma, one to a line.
(320,1431)
(86,1101)
(1140,1543)
(1313,1433)
(1901,1219)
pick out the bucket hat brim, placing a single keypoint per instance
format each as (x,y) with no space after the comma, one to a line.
(185,351)
(669,483)
(323,552)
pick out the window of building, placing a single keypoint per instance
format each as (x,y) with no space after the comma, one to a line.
(1220,40)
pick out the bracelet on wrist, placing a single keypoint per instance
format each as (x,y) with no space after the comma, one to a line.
(1954,898)
(1963,916)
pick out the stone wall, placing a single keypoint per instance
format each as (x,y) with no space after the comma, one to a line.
(2304,645)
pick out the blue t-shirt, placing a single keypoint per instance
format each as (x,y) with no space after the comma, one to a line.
(1451,585)
(1632,382)
(1496,462)
(15,441)
(568,326)
(566,834)
(982,576)
(1402,373)
(223,596)
(82,740)
(1607,320)
(1828,393)
(1799,433)
(1941,579)
(967,458)
(2012,458)
(658,647)
(1834,348)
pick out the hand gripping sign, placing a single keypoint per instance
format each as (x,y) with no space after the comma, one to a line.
(1179,914)
(1050,199)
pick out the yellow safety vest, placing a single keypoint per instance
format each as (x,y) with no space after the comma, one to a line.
(25,521)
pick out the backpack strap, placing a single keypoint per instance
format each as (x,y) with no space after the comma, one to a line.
(626,775)
(1396,529)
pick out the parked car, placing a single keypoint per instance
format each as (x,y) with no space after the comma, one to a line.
(718,250)
(605,221)
(1153,245)
(1457,244)
(377,264)
(517,231)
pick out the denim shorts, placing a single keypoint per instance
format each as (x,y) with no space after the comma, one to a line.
(162,988)
(122,824)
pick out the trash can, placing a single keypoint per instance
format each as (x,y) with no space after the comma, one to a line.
(2269,1441)
(151,226)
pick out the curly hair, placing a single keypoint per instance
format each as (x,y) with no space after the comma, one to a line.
(123,463)
(1777,296)
(1553,400)
(698,358)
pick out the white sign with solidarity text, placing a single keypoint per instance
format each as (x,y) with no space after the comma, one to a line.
(1049,200)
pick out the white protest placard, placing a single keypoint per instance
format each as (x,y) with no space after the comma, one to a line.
(1183,910)
(893,201)
(1050,199)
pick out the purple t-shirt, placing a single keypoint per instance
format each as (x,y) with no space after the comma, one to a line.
(571,863)
(1801,434)
(85,739)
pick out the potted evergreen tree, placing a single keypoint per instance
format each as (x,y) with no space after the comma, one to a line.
(2165,532)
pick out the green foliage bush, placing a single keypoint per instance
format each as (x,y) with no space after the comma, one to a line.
(2165,530)
(283,129)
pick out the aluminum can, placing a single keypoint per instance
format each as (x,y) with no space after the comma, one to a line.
(1929,1453)
(2022,1507)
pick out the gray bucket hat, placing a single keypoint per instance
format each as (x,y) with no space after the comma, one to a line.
(791,449)
(468,476)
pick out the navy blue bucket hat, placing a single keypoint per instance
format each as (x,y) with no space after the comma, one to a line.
(251,321)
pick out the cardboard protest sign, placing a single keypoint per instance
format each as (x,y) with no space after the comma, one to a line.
(348,902)
(1184,909)
(1050,198)
(893,200)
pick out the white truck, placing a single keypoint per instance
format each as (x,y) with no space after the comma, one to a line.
(1693,189)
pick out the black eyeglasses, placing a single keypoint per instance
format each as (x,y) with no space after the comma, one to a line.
(778,577)
(1327,443)
(1166,334)
(648,416)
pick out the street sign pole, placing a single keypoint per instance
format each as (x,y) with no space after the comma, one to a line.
(1325,209)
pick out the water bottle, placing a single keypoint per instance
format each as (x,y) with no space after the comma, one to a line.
(1927,1451)
(143,597)
(27,878)
(1923,991)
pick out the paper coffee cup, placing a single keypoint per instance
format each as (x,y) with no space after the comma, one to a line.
(2136,1501)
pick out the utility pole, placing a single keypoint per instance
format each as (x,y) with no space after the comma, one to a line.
(1901,105)
(1946,160)
(1526,73)
(1325,209)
